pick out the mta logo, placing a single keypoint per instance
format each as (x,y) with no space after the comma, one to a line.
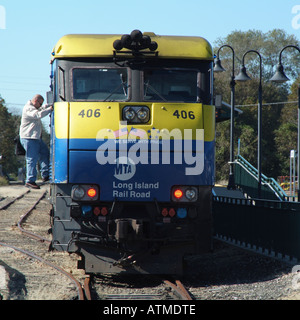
(125,168)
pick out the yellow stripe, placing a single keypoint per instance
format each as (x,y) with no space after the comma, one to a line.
(87,119)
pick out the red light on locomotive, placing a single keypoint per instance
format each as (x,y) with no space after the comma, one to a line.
(92,192)
(104,211)
(164,212)
(178,193)
(172,212)
(97,211)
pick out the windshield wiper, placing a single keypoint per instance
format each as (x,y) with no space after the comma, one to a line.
(148,86)
(123,84)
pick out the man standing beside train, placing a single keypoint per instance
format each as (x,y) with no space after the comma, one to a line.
(31,139)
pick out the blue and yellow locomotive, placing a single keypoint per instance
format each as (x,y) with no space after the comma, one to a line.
(132,150)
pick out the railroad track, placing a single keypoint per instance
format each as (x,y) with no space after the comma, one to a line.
(136,287)
(30,260)
(16,222)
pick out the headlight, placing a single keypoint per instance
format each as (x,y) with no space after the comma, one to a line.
(136,114)
(129,114)
(143,114)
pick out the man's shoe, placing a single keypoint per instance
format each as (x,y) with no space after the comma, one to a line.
(45,179)
(32,185)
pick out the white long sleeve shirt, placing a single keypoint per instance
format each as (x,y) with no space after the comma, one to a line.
(31,124)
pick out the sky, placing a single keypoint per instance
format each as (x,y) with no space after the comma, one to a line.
(30,29)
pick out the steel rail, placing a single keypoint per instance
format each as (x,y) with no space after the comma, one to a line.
(28,233)
(86,288)
(34,256)
(179,288)
(6,204)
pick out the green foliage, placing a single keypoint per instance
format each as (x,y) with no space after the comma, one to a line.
(267,44)
(278,121)
(3,181)
(285,140)
(7,134)
(286,134)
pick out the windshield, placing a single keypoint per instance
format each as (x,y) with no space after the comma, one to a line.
(100,84)
(170,85)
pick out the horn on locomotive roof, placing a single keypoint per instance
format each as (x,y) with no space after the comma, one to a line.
(136,41)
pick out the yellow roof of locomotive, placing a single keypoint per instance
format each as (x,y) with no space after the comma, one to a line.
(101,45)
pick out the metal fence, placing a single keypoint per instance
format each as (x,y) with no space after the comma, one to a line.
(272,226)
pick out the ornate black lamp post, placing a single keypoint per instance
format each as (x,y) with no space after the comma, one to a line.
(242,76)
(218,68)
(280,77)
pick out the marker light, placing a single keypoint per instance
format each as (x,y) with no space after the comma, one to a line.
(172,212)
(178,193)
(82,192)
(92,192)
(184,193)
(164,212)
(97,211)
(104,211)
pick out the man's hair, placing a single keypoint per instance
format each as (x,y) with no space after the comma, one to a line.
(38,96)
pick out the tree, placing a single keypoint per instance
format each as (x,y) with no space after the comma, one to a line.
(7,134)
(269,45)
(286,135)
